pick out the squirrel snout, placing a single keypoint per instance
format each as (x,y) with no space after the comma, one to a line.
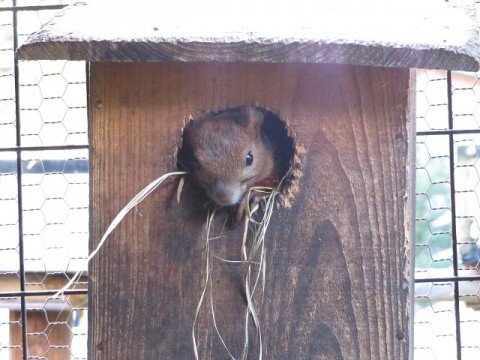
(226,194)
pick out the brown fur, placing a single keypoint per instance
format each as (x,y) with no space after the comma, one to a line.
(219,144)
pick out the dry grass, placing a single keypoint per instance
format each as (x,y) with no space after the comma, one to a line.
(133,203)
(253,255)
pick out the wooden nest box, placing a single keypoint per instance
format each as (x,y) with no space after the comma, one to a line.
(337,282)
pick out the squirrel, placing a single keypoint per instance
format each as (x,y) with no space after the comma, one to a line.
(227,153)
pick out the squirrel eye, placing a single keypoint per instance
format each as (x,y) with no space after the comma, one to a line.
(249,159)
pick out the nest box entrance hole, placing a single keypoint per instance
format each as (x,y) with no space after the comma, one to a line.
(228,151)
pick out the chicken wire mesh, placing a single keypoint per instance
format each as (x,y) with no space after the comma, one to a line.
(43,194)
(447,256)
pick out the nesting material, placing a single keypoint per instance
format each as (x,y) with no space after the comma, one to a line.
(133,203)
(253,256)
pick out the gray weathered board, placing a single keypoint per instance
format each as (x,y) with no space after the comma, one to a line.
(337,261)
(374,33)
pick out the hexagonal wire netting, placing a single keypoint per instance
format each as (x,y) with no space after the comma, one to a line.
(447,256)
(43,194)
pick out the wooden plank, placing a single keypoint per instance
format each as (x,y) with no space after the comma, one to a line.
(392,34)
(336,284)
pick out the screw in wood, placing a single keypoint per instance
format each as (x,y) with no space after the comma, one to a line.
(98,104)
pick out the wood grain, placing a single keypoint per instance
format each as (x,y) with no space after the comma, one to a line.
(399,34)
(336,261)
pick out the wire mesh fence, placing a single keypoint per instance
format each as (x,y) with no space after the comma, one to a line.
(43,194)
(447,257)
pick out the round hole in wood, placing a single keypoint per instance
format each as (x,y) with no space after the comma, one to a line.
(230,150)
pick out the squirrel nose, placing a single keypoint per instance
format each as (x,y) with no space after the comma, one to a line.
(225,195)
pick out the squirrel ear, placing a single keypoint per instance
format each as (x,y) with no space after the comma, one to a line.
(254,117)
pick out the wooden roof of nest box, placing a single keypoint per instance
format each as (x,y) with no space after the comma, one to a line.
(393,34)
